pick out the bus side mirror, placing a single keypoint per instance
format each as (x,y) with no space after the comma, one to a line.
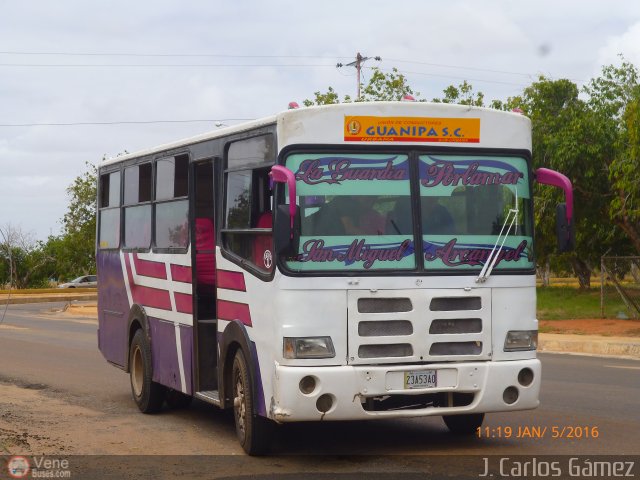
(286,225)
(564,211)
(564,229)
(286,239)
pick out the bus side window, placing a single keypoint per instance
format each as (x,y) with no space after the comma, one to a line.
(109,211)
(262,246)
(137,206)
(248,217)
(171,223)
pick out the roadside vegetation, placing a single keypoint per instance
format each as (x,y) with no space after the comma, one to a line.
(569,302)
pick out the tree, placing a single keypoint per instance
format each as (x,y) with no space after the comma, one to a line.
(79,223)
(329,98)
(614,97)
(625,206)
(74,249)
(24,262)
(560,141)
(590,140)
(380,87)
(392,86)
(463,94)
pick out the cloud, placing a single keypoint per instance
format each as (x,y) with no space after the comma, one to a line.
(627,44)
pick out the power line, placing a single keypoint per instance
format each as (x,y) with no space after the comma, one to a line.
(125,122)
(460,67)
(488,70)
(144,65)
(404,72)
(226,55)
(173,55)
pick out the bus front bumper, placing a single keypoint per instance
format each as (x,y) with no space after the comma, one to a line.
(368,392)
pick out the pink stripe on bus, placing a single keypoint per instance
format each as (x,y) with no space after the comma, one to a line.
(234,311)
(180,273)
(146,296)
(147,268)
(231,280)
(184,303)
(151,297)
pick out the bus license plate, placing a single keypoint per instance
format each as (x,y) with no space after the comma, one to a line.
(421,379)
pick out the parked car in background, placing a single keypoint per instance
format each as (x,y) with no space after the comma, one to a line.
(86,281)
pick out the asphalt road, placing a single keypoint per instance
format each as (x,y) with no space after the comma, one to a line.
(589,404)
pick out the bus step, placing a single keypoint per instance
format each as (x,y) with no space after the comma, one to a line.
(211,396)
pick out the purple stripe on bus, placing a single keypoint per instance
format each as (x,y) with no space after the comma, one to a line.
(113,308)
(147,268)
(231,280)
(180,273)
(234,311)
(164,353)
(186,340)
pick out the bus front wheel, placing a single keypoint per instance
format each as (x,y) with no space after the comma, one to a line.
(463,424)
(253,431)
(147,394)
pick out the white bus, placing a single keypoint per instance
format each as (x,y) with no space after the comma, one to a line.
(344,262)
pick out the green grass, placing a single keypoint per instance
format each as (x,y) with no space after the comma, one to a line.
(560,303)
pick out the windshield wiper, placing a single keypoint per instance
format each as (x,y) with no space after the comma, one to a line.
(511,218)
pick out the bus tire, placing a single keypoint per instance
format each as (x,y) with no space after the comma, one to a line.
(177,400)
(148,395)
(254,432)
(463,424)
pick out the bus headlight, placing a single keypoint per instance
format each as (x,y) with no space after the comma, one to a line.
(308,347)
(518,340)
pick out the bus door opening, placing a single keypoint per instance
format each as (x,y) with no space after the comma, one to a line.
(204,278)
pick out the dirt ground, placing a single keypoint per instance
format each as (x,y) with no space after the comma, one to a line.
(38,420)
(593,326)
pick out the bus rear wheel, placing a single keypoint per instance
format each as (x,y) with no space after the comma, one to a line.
(148,395)
(253,431)
(463,424)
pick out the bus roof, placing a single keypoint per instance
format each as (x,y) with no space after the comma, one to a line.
(399,123)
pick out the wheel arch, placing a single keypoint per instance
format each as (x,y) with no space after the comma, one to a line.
(235,337)
(137,320)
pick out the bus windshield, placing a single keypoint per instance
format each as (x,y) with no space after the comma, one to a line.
(367,212)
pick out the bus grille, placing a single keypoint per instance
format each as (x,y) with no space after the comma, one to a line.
(390,350)
(384,305)
(420,326)
(385,328)
(456,325)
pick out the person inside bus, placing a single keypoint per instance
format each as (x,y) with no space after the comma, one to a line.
(399,220)
(436,219)
(262,218)
(348,215)
(263,242)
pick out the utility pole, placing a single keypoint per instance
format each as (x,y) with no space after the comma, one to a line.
(358,64)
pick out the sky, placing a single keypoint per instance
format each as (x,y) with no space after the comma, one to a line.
(95,66)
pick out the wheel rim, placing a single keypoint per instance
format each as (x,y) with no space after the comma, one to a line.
(240,403)
(137,377)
